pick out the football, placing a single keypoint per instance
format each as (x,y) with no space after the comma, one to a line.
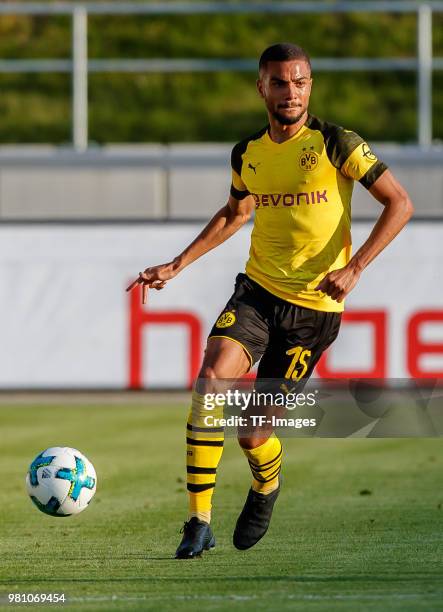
(61,481)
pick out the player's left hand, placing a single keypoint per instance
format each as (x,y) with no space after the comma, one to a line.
(339,283)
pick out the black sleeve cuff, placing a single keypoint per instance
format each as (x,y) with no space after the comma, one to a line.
(238,195)
(374,172)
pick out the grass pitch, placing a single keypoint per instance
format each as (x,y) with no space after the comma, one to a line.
(358,525)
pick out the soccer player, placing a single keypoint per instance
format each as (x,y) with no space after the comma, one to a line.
(297,173)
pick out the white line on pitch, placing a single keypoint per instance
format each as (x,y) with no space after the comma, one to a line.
(233,597)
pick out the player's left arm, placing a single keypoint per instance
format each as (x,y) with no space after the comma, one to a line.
(397,211)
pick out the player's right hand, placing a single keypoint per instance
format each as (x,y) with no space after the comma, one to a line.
(155,277)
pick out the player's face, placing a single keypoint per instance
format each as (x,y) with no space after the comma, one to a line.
(285,88)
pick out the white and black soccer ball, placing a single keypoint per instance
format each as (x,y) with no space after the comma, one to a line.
(61,481)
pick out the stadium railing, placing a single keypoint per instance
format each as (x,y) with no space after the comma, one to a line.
(80,66)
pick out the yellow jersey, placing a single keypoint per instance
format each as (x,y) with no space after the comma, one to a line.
(302,190)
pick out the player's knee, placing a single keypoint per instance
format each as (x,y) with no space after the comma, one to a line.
(208,372)
(250,442)
(206,382)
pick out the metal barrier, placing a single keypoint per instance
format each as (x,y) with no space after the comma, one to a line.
(158,182)
(79,66)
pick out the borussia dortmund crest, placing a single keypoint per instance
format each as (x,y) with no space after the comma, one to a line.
(308,160)
(226,320)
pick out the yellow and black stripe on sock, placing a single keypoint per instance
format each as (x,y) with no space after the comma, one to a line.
(265,463)
(203,454)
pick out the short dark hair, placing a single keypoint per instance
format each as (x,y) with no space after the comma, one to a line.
(283,52)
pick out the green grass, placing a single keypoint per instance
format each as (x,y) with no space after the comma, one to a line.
(329,547)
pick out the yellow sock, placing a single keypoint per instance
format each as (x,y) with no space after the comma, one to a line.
(265,464)
(204,451)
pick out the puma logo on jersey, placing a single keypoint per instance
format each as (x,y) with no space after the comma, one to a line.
(253,167)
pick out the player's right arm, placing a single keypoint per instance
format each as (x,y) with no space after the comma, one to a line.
(222,226)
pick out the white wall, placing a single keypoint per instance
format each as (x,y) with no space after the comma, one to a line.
(65,315)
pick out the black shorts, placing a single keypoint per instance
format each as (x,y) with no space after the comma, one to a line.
(289,339)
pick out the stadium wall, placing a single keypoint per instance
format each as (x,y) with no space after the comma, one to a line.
(67,322)
(174,182)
